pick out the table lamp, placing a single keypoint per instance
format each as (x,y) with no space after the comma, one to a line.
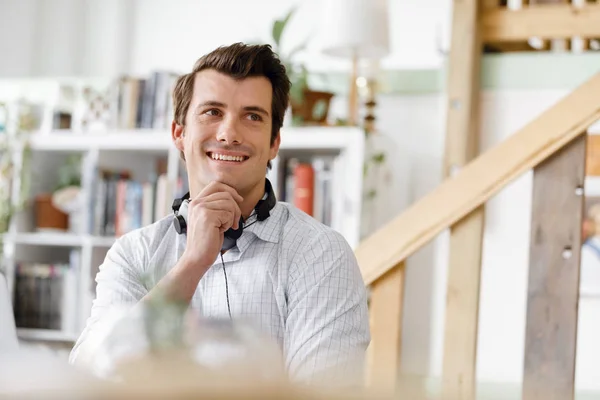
(355,29)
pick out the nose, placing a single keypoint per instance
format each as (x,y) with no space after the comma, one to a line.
(228,132)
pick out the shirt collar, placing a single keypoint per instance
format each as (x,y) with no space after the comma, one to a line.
(268,230)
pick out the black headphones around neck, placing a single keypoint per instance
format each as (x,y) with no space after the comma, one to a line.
(263,211)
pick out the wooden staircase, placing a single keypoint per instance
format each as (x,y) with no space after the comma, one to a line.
(553,145)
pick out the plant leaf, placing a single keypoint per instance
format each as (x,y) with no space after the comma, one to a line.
(279,25)
(378,158)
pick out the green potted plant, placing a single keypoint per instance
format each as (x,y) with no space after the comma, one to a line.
(308,106)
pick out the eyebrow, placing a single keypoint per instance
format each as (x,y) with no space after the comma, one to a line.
(257,109)
(213,103)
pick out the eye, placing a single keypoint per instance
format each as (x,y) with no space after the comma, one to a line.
(255,117)
(213,112)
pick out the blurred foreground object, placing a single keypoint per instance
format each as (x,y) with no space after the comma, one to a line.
(36,374)
(165,338)
(161,349)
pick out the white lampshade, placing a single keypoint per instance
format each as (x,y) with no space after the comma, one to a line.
(355,28)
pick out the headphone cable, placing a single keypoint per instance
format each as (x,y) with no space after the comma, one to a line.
(226,286)
(225,274)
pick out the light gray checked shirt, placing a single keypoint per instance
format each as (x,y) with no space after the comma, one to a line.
(295,278)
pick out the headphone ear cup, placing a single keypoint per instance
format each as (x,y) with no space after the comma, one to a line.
(180,220)
(180,224)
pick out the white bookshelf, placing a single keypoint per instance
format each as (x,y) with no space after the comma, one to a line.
(45,239)
(59,239)
(45,335)
(118,140)
(136,150)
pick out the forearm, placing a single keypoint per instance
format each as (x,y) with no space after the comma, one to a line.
(179,285)
(181,282)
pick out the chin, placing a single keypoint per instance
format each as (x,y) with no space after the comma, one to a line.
(235,178)
(228,179)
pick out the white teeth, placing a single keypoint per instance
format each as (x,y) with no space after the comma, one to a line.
(223,157)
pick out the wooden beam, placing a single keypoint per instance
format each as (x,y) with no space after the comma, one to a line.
(466,239)
(508,47)
(553,44)
(550,21)
(386,330)
(553,286)
(463,87)
(592,162)
(462,307)
(479,180)
(489,4)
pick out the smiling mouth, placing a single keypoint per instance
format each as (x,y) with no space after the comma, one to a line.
(226,157)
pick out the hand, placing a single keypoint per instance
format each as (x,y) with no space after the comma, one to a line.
(214,210)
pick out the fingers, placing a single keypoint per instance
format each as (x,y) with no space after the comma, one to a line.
(215,187)
(233,211)
(220,201)
(225,220)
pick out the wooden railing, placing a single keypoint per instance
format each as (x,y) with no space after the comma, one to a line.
(553,144)
(541,25)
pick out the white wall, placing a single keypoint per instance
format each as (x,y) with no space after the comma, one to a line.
(173,34)
(106,37)
(17,31)
(49,38)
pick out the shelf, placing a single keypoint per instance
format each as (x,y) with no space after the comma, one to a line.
(45,335)
(121,140)
(59,239)
(102,241)
(46,239)
(314,138)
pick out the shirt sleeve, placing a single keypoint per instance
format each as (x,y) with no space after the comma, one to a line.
(119,288)
(327,327)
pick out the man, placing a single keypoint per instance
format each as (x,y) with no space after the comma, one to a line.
(295,278)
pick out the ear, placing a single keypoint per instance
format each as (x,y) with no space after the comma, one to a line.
(177,134)
(275,147)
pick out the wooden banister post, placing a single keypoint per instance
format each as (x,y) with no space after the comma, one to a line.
(386,329)
(462,145)
(553,285)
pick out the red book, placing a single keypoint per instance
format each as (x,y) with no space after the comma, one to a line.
(304,183)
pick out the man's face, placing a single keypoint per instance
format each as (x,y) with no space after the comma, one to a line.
(228,131)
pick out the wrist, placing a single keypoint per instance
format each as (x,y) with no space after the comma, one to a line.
(190,264)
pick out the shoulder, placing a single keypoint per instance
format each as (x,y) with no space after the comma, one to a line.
(303,231)
(139,244)
(315,248)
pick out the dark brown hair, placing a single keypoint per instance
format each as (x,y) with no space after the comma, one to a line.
(238,61)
